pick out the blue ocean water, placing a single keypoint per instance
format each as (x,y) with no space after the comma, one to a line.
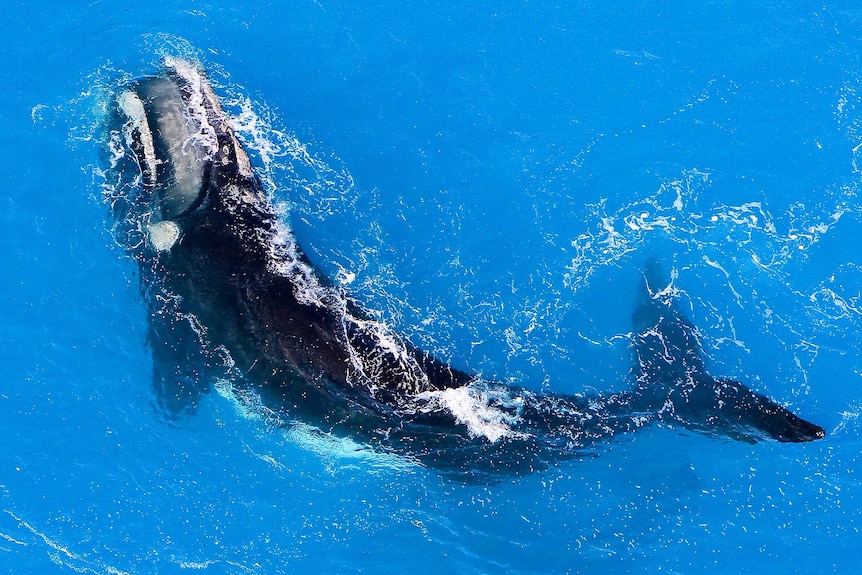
(491,176)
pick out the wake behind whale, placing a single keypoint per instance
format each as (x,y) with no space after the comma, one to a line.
(230,293)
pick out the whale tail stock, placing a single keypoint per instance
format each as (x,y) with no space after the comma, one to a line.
(672,386)
(672,376)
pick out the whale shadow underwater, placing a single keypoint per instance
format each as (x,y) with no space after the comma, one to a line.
(230,294)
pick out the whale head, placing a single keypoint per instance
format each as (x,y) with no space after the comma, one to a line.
(182,140)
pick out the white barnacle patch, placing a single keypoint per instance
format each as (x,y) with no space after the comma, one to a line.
(163,235)
(133,108)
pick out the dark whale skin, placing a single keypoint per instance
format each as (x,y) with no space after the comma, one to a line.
(231,294)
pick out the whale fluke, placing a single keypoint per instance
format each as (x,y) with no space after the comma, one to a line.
(672,376)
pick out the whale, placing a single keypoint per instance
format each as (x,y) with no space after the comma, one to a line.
(232,297)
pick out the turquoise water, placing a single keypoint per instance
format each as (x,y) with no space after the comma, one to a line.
(491,177)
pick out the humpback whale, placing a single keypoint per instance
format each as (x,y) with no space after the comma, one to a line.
(230,293)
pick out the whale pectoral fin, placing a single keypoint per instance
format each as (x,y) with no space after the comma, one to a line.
(730,408)
(179,364)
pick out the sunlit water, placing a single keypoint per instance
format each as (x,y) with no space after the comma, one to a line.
(490,178)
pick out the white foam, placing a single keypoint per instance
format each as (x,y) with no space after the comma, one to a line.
(248,122)
(204,138)
(63,556)
(345,277)
(470,405)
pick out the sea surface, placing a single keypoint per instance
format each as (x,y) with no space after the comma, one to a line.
(491,177)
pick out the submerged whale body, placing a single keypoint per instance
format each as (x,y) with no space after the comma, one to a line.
(231,294)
